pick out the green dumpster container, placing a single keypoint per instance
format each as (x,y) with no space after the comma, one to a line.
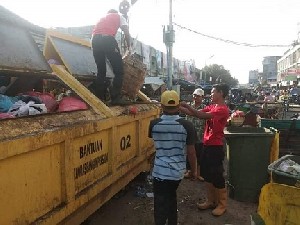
(248,159)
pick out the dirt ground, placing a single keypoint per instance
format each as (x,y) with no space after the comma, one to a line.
(132,207)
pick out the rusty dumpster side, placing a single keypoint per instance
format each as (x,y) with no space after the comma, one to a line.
(62,175)
(59,168)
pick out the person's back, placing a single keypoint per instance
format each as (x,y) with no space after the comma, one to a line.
(170,134)
(174,138)
(108,25)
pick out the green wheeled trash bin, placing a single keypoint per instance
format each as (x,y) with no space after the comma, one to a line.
(248,160)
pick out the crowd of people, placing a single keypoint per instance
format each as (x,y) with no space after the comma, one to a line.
(264,95)
(267,103)
(196,140)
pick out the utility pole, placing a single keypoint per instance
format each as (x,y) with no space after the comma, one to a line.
(169,39)
(205,72)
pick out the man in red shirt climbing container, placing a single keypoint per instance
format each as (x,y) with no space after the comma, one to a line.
(104,46)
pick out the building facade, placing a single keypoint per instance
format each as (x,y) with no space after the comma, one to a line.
(270,69)
(288,66)
(253,77)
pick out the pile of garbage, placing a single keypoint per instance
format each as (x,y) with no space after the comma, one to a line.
(289,166)
(33,103)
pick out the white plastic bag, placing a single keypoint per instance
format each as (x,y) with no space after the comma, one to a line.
(21,108)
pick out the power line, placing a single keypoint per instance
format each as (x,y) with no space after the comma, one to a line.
(230,41)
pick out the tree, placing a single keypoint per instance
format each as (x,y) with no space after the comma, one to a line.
(219,74)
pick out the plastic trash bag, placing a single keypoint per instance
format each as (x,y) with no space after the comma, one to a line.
(289,166)
(46,98)
(71,104)
(6,102)
(6,116)
(21,108)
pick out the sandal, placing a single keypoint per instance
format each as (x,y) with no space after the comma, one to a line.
(188,174)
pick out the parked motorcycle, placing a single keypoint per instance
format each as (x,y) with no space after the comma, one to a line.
(294,96)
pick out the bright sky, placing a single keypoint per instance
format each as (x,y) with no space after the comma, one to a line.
(259,22)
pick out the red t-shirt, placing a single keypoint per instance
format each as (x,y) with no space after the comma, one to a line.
(109,24)
(214,127)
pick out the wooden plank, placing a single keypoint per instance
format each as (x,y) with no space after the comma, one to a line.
(97,105)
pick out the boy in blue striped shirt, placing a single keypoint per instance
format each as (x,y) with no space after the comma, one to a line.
(174,139)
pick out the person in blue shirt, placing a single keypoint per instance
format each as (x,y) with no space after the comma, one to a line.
(174,140)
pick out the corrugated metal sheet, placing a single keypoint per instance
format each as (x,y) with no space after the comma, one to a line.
(12,18)
(18,51)
(37,32)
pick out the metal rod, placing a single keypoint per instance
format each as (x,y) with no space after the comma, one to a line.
(170,49)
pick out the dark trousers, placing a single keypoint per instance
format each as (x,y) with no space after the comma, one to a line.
(165,201)
(107,47)
(212,168)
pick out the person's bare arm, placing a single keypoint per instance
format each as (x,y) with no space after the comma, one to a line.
(189,110)
(125,29)
(202,115)
(191,155)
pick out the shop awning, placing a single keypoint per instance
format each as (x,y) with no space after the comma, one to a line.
(155,82)
(290,78)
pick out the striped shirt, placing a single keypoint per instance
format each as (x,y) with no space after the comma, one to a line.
(171,134)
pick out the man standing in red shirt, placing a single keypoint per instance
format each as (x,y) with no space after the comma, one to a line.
(104,46)
(216,116)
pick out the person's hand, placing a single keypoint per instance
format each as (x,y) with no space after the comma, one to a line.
(184,104)
(2,89)
(184,108)
(127,53)
(129,50)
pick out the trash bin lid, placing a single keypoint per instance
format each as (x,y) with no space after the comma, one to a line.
(247,131)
